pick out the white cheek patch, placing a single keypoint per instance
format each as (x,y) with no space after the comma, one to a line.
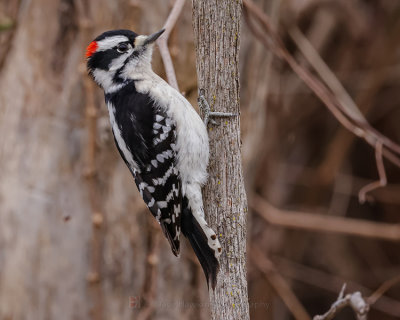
(111,42)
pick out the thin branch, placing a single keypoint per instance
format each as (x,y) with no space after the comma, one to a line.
(353,300)
(314,84)
(343,97)
(163,42)
(382,175)
(324,223)
(330,282)
(382,289)
(279,284)
(346,115)
(326,74)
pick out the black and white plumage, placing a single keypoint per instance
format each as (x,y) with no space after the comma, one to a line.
(161,138)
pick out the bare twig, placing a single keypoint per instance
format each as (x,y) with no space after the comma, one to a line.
(382,289)
(343,97)
(330,282)
(326,74)
(279,284)
(279,49)
(374,80)
(324,223)
(381,171)
(163,42)
(344,112)
(353,300)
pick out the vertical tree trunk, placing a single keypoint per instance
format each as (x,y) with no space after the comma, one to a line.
(217,27)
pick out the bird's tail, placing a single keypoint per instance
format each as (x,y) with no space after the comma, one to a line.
(204,241)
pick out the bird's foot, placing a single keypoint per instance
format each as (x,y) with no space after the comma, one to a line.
(206,110)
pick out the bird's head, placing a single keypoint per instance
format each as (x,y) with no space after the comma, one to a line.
(119,55)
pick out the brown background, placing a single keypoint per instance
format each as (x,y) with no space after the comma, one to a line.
(77,242)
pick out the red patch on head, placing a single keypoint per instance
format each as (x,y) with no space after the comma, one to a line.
(91,49)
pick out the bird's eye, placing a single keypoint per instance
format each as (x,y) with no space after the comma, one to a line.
(122,47)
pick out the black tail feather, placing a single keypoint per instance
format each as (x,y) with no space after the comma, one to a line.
(198,240)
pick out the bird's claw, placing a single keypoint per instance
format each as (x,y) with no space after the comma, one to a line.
(206,110)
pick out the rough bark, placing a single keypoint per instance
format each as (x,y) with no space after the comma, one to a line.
(217,33)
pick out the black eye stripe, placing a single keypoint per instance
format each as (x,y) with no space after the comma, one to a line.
(102,59)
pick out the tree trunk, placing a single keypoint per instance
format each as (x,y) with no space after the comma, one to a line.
(217,29)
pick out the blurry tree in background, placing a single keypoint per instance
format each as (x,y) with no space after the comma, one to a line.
(77,242)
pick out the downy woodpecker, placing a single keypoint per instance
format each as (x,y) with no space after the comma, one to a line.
(161,138)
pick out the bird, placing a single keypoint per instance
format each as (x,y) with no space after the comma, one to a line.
(160,137)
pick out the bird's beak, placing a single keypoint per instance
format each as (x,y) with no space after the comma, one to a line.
(153,37)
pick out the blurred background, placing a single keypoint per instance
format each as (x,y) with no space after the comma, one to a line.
(77,242)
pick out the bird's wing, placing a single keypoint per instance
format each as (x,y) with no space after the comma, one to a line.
(149,135)
(158,181)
